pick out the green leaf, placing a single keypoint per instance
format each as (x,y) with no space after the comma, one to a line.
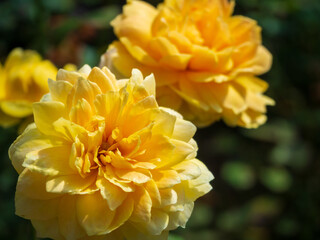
(90,56)
(279,131)
(295,155)
(276,179)
(175,237)
(232,220)
(239,175)
(102,17)
(287,227)
(59,5)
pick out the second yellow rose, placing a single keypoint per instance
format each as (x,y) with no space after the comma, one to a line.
(205,60)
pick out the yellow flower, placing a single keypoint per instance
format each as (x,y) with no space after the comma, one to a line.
(23,80)
(104,161)
(204,59)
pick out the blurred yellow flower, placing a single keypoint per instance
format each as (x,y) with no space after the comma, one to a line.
(23,80)
(204,59)
(104,161)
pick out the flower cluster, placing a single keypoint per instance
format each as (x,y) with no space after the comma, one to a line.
(23,80)
(103,161)
(204,59)
(106,159)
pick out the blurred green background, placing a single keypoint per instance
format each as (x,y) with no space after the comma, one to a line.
(267,182)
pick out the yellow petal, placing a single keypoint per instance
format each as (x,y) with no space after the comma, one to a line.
(67,129)
(138,53)
(37,209)
(81,113)
(180,218)
(206,77)
(119,59)
(181,151)
(154,193)
(244,53)
(143,205)
(230,98)
(187,169)
(205,176)
(44,71)
(180,41)
(73,184)
(135,22)
(45,113)
(94,214)
(140,176)
(18,54)
(31,140)
(32,185)
(260,64)
(230,117)
(177,61)
(263,61)
(17,109)
(190,94)
(166,178)
(123,62)
(161,47)
(68,222)
(125,185)
(109,105)
(85,70)
(169,98)
(194,192)
(252,83)
(106,83)
(158,147)
(123,213)
(59,90)
(183,130)
(49,161)
(258,102)
(244,29)
(70,67)
(47,228)
(208,97)
(203,59)
(168,197)
(65,75)
(84,89)
(150,84)
(158,222)
(113,194)
(164,123)
(138,122)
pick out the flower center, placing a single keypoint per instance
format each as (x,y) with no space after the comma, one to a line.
(109,147)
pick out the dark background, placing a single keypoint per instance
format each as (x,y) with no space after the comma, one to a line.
(267,182)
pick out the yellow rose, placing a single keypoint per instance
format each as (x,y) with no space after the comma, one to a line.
(23,80)
(204,59)
(104,161)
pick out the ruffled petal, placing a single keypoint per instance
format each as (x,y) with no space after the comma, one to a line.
(94,214)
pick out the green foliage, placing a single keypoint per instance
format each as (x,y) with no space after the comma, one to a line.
(277,180)
(237,174)
(175,237)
